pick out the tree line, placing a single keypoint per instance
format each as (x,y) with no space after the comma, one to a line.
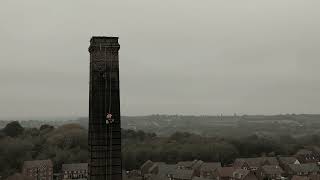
(69,144)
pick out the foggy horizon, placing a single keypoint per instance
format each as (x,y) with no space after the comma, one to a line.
(197,58)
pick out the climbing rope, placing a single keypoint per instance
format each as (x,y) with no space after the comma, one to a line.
(110,125)
(109,118)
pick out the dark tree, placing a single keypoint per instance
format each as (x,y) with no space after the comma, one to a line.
(13,129)
(46,126)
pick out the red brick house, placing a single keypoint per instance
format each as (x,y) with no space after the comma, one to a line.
(270,172)
(38,169)
(183,174)
(207,169)
(74,171)
(253,164)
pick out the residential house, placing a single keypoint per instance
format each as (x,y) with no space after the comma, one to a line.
(207,169)
(198,178)
(303,169)
(224,173)
(191,165)
(285,161)
(38,169)
(316,152)
(314,177)
(270,172)
(74,171)
(186,164)
(242,163)
(307,156)
(18,176)
(149,167)
(196,167)
(253,164)
(126,177)
(242,174)
(133,173)
(295,177)
(183,174)
(154,177)
(310,177)
(166,170)
(231,173)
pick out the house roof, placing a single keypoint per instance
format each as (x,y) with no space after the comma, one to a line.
(198,178)
(239,162)
(314,177)
(300,178)
(38,163)
(210,166)
(156,177)
(74,167)
(183,174)
(153,167)
(287,160)
(225,171)
(165,169)
(304,168)
(133,173)
(255,162)
(240,173)
(132,178)
(18,176)
(271,169)
(197,164)
(316,149)
(187,164)
(147,164)
(304,152)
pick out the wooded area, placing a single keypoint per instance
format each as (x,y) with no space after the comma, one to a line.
(68,144)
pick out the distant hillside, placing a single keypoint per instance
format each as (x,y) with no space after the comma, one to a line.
(165,125)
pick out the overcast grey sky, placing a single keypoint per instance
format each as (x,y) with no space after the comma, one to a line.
(176,56)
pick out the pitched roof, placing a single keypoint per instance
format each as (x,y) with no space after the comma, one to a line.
(239,162)
(210,166)
(147,164)
(187,164)
(288,160)
(225,171)
(165,169)
(132,178)
(156,177)
(300,178)
(154,166)
(240,173)
(271,160)
(74,167)
(198,178)
(271,169)
(304,168)
(316,149)
(255,162)
(197,164)
(314,177)
(183,174)
(38,163)
(18,176)
(304,152)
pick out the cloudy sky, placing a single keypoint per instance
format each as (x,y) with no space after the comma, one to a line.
(176,57)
